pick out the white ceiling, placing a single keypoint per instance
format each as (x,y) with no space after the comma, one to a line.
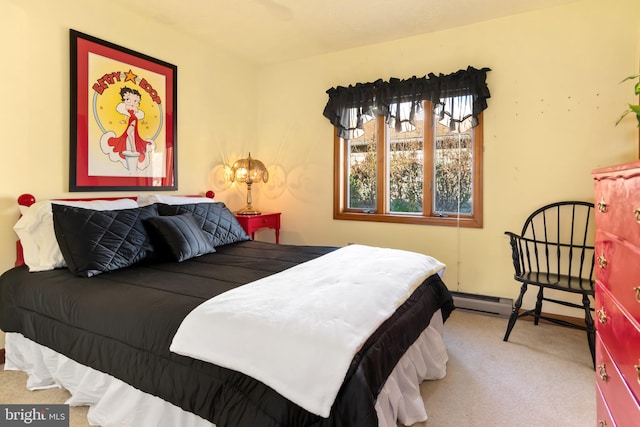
(269,31)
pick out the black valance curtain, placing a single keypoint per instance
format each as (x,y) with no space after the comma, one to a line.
(458,99)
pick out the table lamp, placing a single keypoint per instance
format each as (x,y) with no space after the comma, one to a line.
(249,170)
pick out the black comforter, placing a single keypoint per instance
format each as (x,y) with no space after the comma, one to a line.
(122,323)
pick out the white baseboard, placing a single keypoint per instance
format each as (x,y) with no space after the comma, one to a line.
(495,306)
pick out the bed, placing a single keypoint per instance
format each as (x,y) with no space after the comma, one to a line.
(102,292)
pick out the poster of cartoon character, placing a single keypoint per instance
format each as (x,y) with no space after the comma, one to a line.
(124,119)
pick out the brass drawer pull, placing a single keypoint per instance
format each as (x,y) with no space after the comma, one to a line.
(637,368)
(602,206)
(602,261)
(602,316)
(602,371)
(602,423)
(636,213)
(637,291)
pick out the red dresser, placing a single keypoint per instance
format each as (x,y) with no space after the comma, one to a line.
(617,305)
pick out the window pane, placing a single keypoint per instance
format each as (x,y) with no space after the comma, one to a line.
(405,165)
(453,170)
(362,175)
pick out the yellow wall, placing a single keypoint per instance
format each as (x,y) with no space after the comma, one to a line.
(555,98)
(550,121)
(215,97)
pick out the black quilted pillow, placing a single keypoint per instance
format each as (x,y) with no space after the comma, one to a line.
(215,219)
(94,242)
(184,238)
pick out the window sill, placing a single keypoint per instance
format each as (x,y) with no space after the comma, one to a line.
(450,221)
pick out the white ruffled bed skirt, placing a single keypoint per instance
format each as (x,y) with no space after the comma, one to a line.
(114,403)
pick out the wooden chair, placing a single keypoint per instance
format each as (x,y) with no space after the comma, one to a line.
(556,251)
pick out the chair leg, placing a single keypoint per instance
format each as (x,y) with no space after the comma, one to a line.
(514,313)
(538,310)
(591,330)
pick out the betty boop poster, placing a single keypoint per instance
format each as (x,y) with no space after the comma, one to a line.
(123,123)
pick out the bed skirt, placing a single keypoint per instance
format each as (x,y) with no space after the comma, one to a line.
(114,403)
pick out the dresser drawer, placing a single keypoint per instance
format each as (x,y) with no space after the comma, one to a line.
(618,269)
(603,415)
(268,221)
(616,202)
(621,335)
(618,398)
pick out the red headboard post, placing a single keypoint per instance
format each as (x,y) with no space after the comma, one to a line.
(23,200)
(26,200)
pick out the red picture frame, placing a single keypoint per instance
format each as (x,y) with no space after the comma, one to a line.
(123,118)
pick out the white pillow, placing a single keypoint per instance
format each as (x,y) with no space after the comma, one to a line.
(149,199)
(35,230)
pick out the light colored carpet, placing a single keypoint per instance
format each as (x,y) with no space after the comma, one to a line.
(542,377)
(12,391)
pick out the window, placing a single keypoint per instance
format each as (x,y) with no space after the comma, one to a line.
(395,163)
(420,172)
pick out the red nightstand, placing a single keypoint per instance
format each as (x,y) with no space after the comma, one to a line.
(253,223)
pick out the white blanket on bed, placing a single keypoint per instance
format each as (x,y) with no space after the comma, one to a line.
(297,331)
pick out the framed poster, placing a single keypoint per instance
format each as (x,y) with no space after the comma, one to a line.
(123,118)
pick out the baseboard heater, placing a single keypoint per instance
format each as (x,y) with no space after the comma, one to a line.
(484,304)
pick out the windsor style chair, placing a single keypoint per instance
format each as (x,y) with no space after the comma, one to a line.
(555,251)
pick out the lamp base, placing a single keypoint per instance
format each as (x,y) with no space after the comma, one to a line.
(248,211)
